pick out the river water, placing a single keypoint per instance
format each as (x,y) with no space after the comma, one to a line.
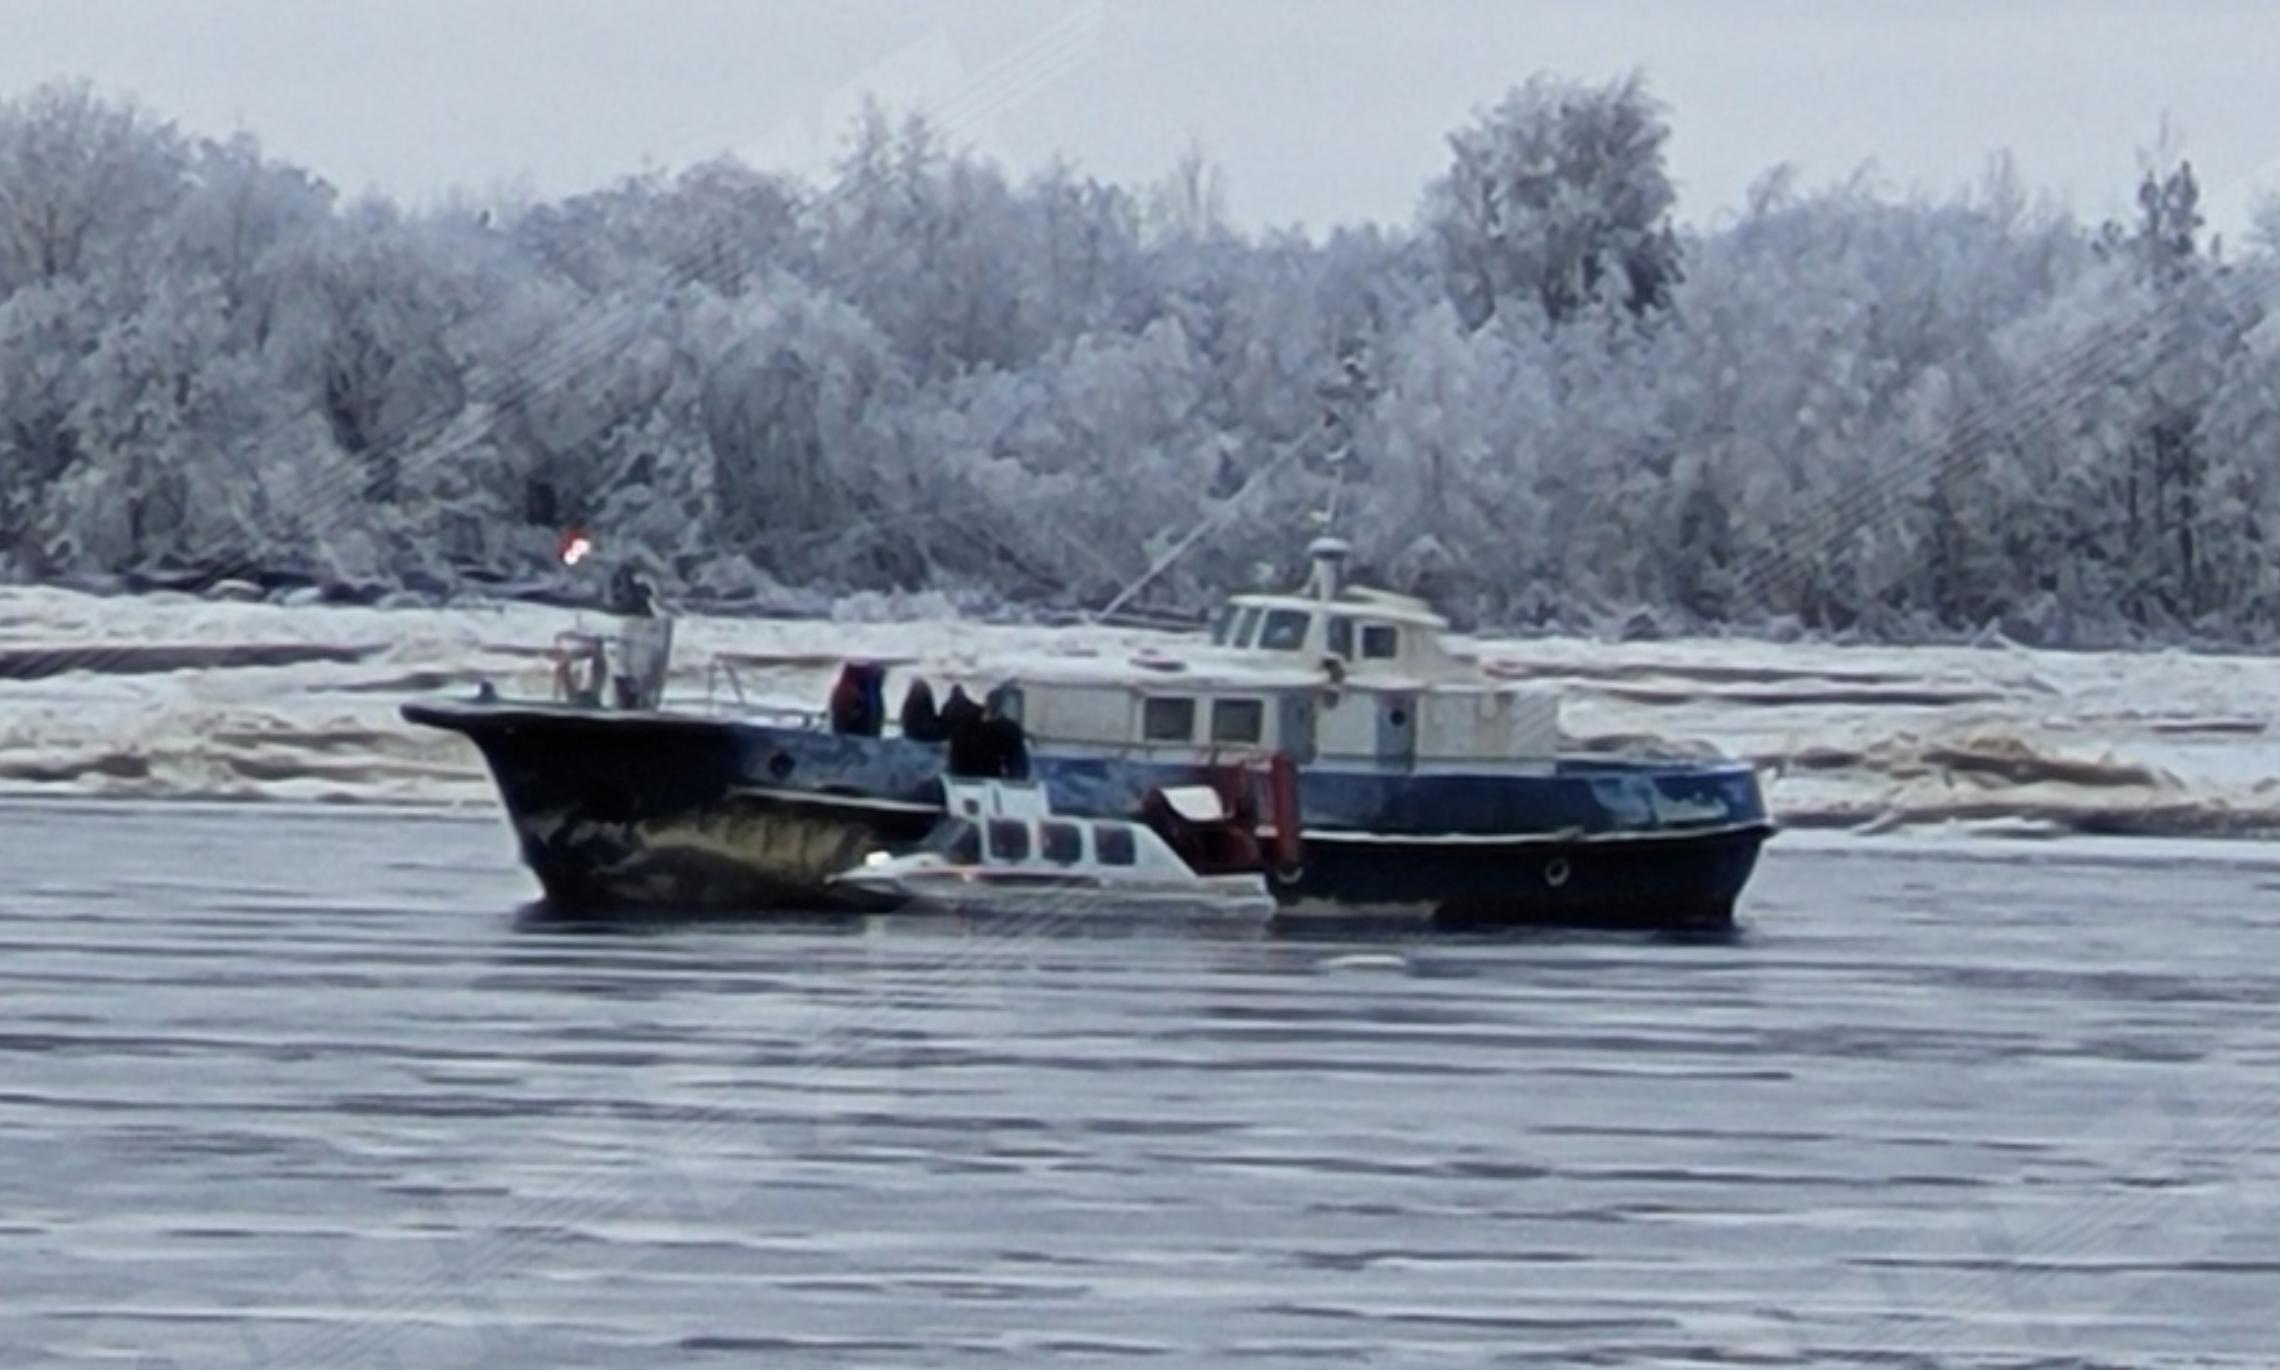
(289,1085)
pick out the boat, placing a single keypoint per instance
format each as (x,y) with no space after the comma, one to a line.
(1422,781)
(1000,848)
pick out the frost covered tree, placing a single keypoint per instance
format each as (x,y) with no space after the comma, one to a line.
(2168,337)
(790,383)
(237,226)
(721,225)
(378,305)
(1457,463)
(1081,259)
(926,241)
(1190,200)
(1557,197)
(81,180)
(45,330)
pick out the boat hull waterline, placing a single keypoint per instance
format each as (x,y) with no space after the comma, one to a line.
(974,894)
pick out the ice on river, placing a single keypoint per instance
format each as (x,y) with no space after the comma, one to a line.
(166,695)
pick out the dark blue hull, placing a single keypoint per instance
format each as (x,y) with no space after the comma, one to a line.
(619,810)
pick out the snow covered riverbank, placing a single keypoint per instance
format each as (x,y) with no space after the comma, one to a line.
(172,697)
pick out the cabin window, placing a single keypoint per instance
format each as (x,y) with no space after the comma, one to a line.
(1222,625)
(1114,846)
(1342,637)
(1381,641)
(1285,630)
(1168,719)
(1060,843)
(1246,625)
(961,842)
(1009,840)
(1238,720)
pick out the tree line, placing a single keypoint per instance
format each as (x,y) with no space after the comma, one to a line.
(1543,403)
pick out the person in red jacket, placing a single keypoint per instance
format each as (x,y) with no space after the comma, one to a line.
(856,704)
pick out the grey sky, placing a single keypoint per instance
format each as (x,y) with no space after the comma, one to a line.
(1321,111)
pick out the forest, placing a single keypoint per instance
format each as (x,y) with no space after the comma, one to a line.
(1546,402)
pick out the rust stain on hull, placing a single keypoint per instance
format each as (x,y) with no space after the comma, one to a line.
(747,853)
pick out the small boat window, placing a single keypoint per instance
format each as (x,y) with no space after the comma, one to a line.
(1167,719)
(1285,630)
(960,841)
(1381,641)
(1114,845)
(1342,636)
(1246,625)
(1009,840)
(1238,720)
(1060,843)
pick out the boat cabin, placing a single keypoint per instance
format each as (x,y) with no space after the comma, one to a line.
(1007,825)
(1356,632)
(1330,672)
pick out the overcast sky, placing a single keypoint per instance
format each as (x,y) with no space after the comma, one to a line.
(1321,111)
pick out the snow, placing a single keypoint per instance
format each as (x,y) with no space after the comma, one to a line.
(2012,739)
(1897,743)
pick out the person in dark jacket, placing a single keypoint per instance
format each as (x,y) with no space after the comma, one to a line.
(984,742)
(961,724)
(874,687)
(921,721)
(959,710)
(630,595)
(1008,748)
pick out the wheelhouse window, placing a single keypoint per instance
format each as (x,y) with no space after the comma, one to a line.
(1341,639)
(1009,840)
(1222,625)
(1060,843)
(1246,624)
(1381,641)
(1114,845)
(1238,720)
(1168,719)
(1284,630)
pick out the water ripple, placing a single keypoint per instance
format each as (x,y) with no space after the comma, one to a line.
(307,1088)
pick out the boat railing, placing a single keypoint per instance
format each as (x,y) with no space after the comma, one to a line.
(1200,754)
(622,670)
(718,671)
(580,664)
(726,697)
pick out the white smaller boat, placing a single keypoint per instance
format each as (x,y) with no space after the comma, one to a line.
(1001,849)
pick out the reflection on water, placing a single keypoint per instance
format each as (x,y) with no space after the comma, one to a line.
(541,918)
(297,1088)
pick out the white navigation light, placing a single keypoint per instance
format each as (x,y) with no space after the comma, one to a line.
(576,548)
